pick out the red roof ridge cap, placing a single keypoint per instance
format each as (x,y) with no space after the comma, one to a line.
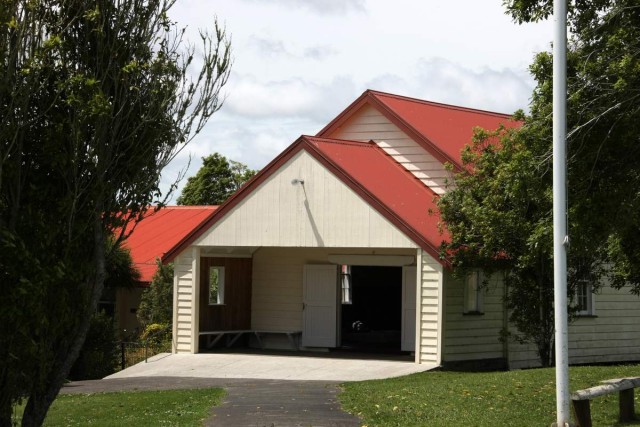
(363,144)
(190,207)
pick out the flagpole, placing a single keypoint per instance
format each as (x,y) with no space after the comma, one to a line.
(560,235)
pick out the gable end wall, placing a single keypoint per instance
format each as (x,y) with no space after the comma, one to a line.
(369,124)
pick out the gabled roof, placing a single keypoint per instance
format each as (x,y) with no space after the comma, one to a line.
(160,231)
(443,130)
(364,167)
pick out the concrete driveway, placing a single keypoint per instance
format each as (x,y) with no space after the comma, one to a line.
(292,367)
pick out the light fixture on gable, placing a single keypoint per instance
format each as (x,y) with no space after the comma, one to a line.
(297,181)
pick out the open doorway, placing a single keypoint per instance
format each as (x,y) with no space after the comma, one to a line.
(371,309)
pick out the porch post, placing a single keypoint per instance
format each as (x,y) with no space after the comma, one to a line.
(195,300)
(441,313)
(418,340)
(174,334)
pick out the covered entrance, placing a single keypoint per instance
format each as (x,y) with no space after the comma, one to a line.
(368,307)
(302,219)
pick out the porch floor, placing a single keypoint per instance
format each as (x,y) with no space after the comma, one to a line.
(295,366)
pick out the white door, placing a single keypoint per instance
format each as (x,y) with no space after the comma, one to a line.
(320,303)
(408,309)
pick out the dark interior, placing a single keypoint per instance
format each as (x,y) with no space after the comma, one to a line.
(372,322)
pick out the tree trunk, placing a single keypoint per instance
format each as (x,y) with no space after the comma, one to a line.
(41,398)
(6,411)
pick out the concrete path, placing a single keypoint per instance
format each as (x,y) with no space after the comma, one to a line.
(294,367)
(263,390)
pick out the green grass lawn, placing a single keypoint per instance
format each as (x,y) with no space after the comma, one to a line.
(139,408)
(444,398)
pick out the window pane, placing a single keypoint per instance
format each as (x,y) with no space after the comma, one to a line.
(583,298)
(346,284)
(216,285)
(472,294)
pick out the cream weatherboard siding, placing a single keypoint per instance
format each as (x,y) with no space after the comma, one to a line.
(612,335)
(185,308)
(429,308)
(323,212)
(369,124)
(473,336)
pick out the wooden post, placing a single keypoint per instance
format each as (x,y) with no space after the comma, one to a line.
(582,413)
(627,412)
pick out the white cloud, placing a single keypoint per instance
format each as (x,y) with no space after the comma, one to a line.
(440,80)
(272,48)
(291,98)
(319,52)
(503,90)
(268,47)
(322,6)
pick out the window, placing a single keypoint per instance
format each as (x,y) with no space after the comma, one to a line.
(345,279)
(216,285)
(472,294)
(584,299)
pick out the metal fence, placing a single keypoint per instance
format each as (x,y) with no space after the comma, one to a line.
(132,352)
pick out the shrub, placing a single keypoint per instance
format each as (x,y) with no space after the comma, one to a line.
(99,355)
(156,304)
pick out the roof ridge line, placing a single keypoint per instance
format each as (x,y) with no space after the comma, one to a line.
(439,104)
(351,142)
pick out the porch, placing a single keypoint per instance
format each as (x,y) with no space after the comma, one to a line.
(369,306)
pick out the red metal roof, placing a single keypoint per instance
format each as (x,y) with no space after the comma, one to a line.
(369,171)
(388,186)
(443,130)
(159,232)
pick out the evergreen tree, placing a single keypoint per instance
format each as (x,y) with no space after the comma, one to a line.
(217,179)
(96,98)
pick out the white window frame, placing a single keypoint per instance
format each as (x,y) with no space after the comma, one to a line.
(473,294)
(219,300)
(585,301)
(346,284)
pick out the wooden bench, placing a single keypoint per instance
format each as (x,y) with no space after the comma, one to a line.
(623,386)
(213,337)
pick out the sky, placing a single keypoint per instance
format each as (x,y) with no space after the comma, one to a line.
(298,63)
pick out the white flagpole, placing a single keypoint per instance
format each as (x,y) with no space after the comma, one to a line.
(560,236)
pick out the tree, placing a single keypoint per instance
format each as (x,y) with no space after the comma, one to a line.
(498,212)
(96,98)
(217,179)
(603,81)
(156,305)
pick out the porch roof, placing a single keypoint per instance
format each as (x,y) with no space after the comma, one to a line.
(371,173)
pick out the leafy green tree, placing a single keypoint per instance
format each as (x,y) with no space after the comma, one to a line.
(156,305)
(499,216)
(498,211)
(604,123)
(217,179)
(96,98)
